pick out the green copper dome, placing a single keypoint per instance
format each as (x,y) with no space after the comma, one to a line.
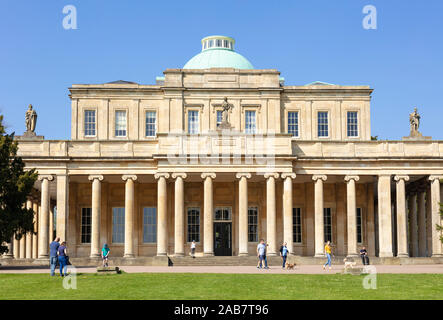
(218,52)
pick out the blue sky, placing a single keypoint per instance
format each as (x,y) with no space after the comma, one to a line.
(306,40)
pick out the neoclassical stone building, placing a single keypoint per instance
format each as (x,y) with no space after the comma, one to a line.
(149,168)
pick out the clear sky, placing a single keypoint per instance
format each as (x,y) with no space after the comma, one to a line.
(317,40)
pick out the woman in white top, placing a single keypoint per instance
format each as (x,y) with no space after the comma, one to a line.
(193,249)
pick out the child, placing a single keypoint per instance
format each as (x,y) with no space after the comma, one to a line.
(193,249)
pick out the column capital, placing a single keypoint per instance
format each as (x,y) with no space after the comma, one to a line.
(48,177)
(92,177)
(205,175)
(246,175)
(125,177)
(159,175)
(288,175)
(401,177)
(352,177)
(274,175)
(435,177)
(176,175)
(316,177)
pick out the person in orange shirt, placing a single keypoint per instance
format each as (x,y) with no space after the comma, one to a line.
(328,253)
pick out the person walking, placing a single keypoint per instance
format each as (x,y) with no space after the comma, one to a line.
(105,254)
(193,249)
(328,252)
(62,259)
(53,247)
(261,254)
(364,256)
(284,253)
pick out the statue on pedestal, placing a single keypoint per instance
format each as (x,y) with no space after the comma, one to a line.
(30,120)
(414,120)
(226,108)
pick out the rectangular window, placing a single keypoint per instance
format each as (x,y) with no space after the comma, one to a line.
(149,225)
(327,224)
(219,117)
(253,224)
(250,124)
(120,123)
(193,122)
(352,124)
(86,225)
(151,123)
(323,127)
(293,123)
(118,225)
(359,226)
(89,123)
(296,225)
(194,224)
(223,214)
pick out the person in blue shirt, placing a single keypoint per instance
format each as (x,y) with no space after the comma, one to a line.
(261,253)
(62,260)
(284,253)
(53,247)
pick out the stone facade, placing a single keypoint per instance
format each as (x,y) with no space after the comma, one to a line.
(380,194)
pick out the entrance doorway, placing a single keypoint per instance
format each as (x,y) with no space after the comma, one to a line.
(222,232)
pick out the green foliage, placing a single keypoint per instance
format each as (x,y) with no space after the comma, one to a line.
(374,138)
(438,226)
(15,185)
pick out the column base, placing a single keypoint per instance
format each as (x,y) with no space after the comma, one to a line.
(243,254)
(161,254)
(42,257)
(438,255)
(271,254)
(95,255)
(208,254)
(7,257)
(402,255)
(129,256)
(352,255)
(319,255)
(386,255)
(179,254)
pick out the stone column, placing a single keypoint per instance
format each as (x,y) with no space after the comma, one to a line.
(16,248)
(179,212)
(384,216)
(422,224)
(28,254)
(162,213)
(287,211)
(271,214)
(402,225)
(43,240)
(35,208)
(351,214)
(129,215)
(435,215)
(243,213)
(319,215)
(413,224)
(95,219)
(428,222)
(62,206)
(22,250)
(51,223)
(208,214)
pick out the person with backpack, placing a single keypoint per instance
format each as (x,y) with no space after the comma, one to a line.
(284,253)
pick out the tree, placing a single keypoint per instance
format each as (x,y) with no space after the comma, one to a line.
(15,186)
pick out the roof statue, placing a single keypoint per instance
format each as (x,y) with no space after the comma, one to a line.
(414,121)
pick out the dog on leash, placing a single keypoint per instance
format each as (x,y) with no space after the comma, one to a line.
(290,266)
(349,263)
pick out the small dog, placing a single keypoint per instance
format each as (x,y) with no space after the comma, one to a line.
(349,263)
(290,266)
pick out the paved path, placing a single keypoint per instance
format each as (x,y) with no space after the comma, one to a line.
(304,269)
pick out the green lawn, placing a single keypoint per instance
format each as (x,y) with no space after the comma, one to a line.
(221,286)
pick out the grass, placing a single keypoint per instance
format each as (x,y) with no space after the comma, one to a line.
(166,286)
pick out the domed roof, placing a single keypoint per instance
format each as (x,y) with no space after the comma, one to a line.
(218,52)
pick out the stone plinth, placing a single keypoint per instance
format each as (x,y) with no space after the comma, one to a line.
(416,136)
(29,135)
(108,270)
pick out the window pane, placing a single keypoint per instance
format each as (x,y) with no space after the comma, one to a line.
(250,124)
(193,122)
(323,127)
(253,224)
(293,123)
(120,123)
(86,225)
(150,225)
(150,123)
(219,117)
(296,225)
(352,124)
(118,225)
(90,123)
(327,224)
(193,224)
